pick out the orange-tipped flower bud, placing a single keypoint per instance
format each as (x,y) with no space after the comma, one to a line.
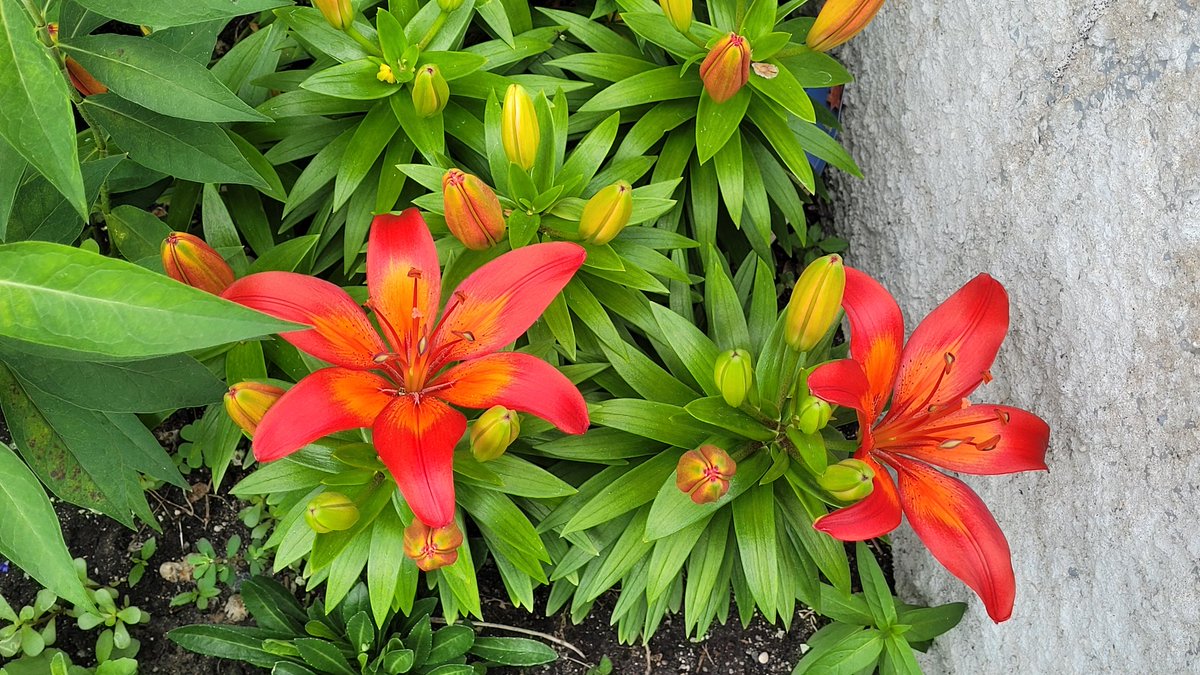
(704,473)
(734,375)
(473,212)
(493,432)
(519,129)
(679,13)
(815,302)
(430,93)
(449,5)
(82,80)
(726,69)
(188,259)
(52,29)
(812,415)
(849,480)
(339,13)
(839,21)
(247,402)
(431,547)
(331,512)
(606,213)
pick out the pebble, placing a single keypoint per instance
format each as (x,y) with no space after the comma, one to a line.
(763,657)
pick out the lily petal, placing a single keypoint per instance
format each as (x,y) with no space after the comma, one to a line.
(416,441)
(403,275)
(960,532)
(876,334)
(844,383)
(979,439)
(328,401)
(876,515)
(949,354)
(341,334)
(518,381)
(498,302)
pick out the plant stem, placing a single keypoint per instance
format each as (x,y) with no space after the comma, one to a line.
(362,40)
(433,30)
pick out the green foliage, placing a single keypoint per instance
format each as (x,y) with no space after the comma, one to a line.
(209,571)
(292,638)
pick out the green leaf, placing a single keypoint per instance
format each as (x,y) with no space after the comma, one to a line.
(323,656)
(226,642)
(898,657)
(674,510)
(634,488)
(311,29)
(272,606)
(293,255)
(159,78)
(354,80)
(814,69)
(520,652)
(200,152)
(85,306)
(366,145)
(758,546)
(137,234)
(716,123)
(450,642)
(36,118)
(875,587)
(662,84)
(783,139)
(856,652)
(29,532)
(647,419)
(715,411)
(42,213)
(731,177)
(926,623)
(821,144)
(592,33)
(164,14)
(602,66)
(384,566)
(786,91)
(506,529)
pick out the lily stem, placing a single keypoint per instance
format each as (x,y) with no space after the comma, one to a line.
(433,30)
(362,40)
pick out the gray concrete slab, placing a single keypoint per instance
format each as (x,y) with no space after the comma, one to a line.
(1056,145)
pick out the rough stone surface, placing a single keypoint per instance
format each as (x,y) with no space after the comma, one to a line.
(1056,145)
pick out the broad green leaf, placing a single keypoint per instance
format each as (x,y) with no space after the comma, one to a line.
(854,653)
(226,642)
(366,145)
(670,554)
(821,144)
(12,170)
(648,419)
(251,58)
(29,532)
(655,27)
(293,255)
(164,14)
(783,139)
(592,33)
(875,587)
(717,123)
(311,29)
(520,652)
(41,212)
(662,84)
(631,490)
(926,623)
(786,91)
(607,67)
(200,152)
(816,69)
(716,412)
(354,80)
(159,78)
(85,306)
(36,118)
(898,657)
(385,562)
(506,529)
(194,41)
(829,554)
(137,234)
(758,546)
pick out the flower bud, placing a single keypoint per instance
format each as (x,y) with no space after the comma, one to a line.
(52,29)
(430,547)
(726,69)
(704,473)
(519,129)
(734,374)
(679,13)
(430,93)
(473,212)
(186,258)
(812,414)
(815,302)
(82,80)
(330,512)
(339,13)
(449,5)
(606,213)
(247,402)
(493,432)
(386,74)
(849,480)
(840,20)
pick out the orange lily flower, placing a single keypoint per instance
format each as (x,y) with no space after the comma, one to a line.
(401,384)
(930,422)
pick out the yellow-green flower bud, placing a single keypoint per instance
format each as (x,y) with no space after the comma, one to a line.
(812,414)
(519,131)
(734,375)
(606,213)
(679,13)
(430,93)
(449,5)
(432,548)
(849,480)
(840,20)
(493,432)
(331,512)
(704,473)
(339,13)
(472,209)
(815,302)
(247,403)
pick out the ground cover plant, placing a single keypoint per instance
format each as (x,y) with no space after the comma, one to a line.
(462,297)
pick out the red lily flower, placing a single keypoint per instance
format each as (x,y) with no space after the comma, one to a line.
(931,422)
(400,387)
